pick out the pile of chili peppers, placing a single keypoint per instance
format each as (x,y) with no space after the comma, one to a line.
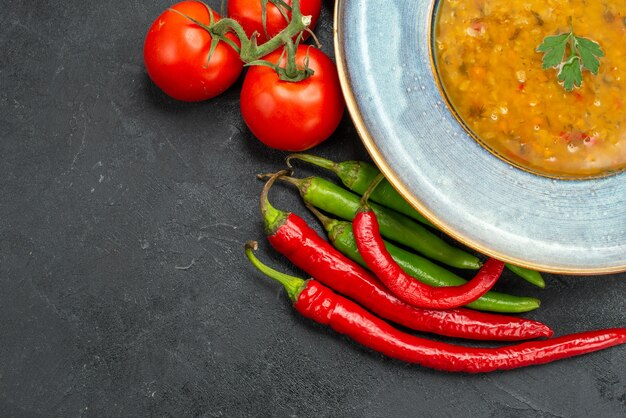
(401,286)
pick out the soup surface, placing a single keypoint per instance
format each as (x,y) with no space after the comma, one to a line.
(487,59)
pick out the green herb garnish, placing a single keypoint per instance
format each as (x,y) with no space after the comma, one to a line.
(583,54)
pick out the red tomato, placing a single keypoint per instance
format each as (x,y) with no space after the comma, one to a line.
(249,14)
(293,116)
(176,54)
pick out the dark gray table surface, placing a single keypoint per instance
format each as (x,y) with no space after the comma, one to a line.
(108,188)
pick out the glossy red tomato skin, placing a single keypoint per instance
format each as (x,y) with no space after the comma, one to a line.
(176,54)
(249,14)
(293,116)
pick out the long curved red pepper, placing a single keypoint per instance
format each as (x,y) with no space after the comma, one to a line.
(319,303)
(408,289)
(291,236)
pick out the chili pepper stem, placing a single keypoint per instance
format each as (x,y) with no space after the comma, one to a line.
(300,184)
(315,160)
(293,285)
(371,188)
(327,222)
(347,171)
(272,217)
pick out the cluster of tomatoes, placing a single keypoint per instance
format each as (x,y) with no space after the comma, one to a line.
(187,63)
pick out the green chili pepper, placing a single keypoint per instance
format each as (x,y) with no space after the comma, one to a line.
(358,175)
(342,238)
(338,201)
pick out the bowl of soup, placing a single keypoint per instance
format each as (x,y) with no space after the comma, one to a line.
(453,103)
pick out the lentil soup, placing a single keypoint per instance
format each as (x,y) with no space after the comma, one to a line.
(491,72)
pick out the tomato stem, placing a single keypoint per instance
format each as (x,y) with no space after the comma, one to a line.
(291,69)
(250,51)
(227,24)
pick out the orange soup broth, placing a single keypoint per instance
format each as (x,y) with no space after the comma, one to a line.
(493,77)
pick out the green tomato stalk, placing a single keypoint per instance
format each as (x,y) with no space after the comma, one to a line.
(249,51)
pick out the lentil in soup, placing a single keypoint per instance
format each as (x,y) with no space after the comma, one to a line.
(487,59)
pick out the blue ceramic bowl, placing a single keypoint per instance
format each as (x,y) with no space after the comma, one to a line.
(385,66)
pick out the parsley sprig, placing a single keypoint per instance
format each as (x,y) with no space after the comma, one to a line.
(583,54)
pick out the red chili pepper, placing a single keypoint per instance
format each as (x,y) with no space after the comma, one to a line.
(407,288)
(317,302)
(291,236)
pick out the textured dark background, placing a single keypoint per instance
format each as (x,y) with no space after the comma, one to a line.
(107,186)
